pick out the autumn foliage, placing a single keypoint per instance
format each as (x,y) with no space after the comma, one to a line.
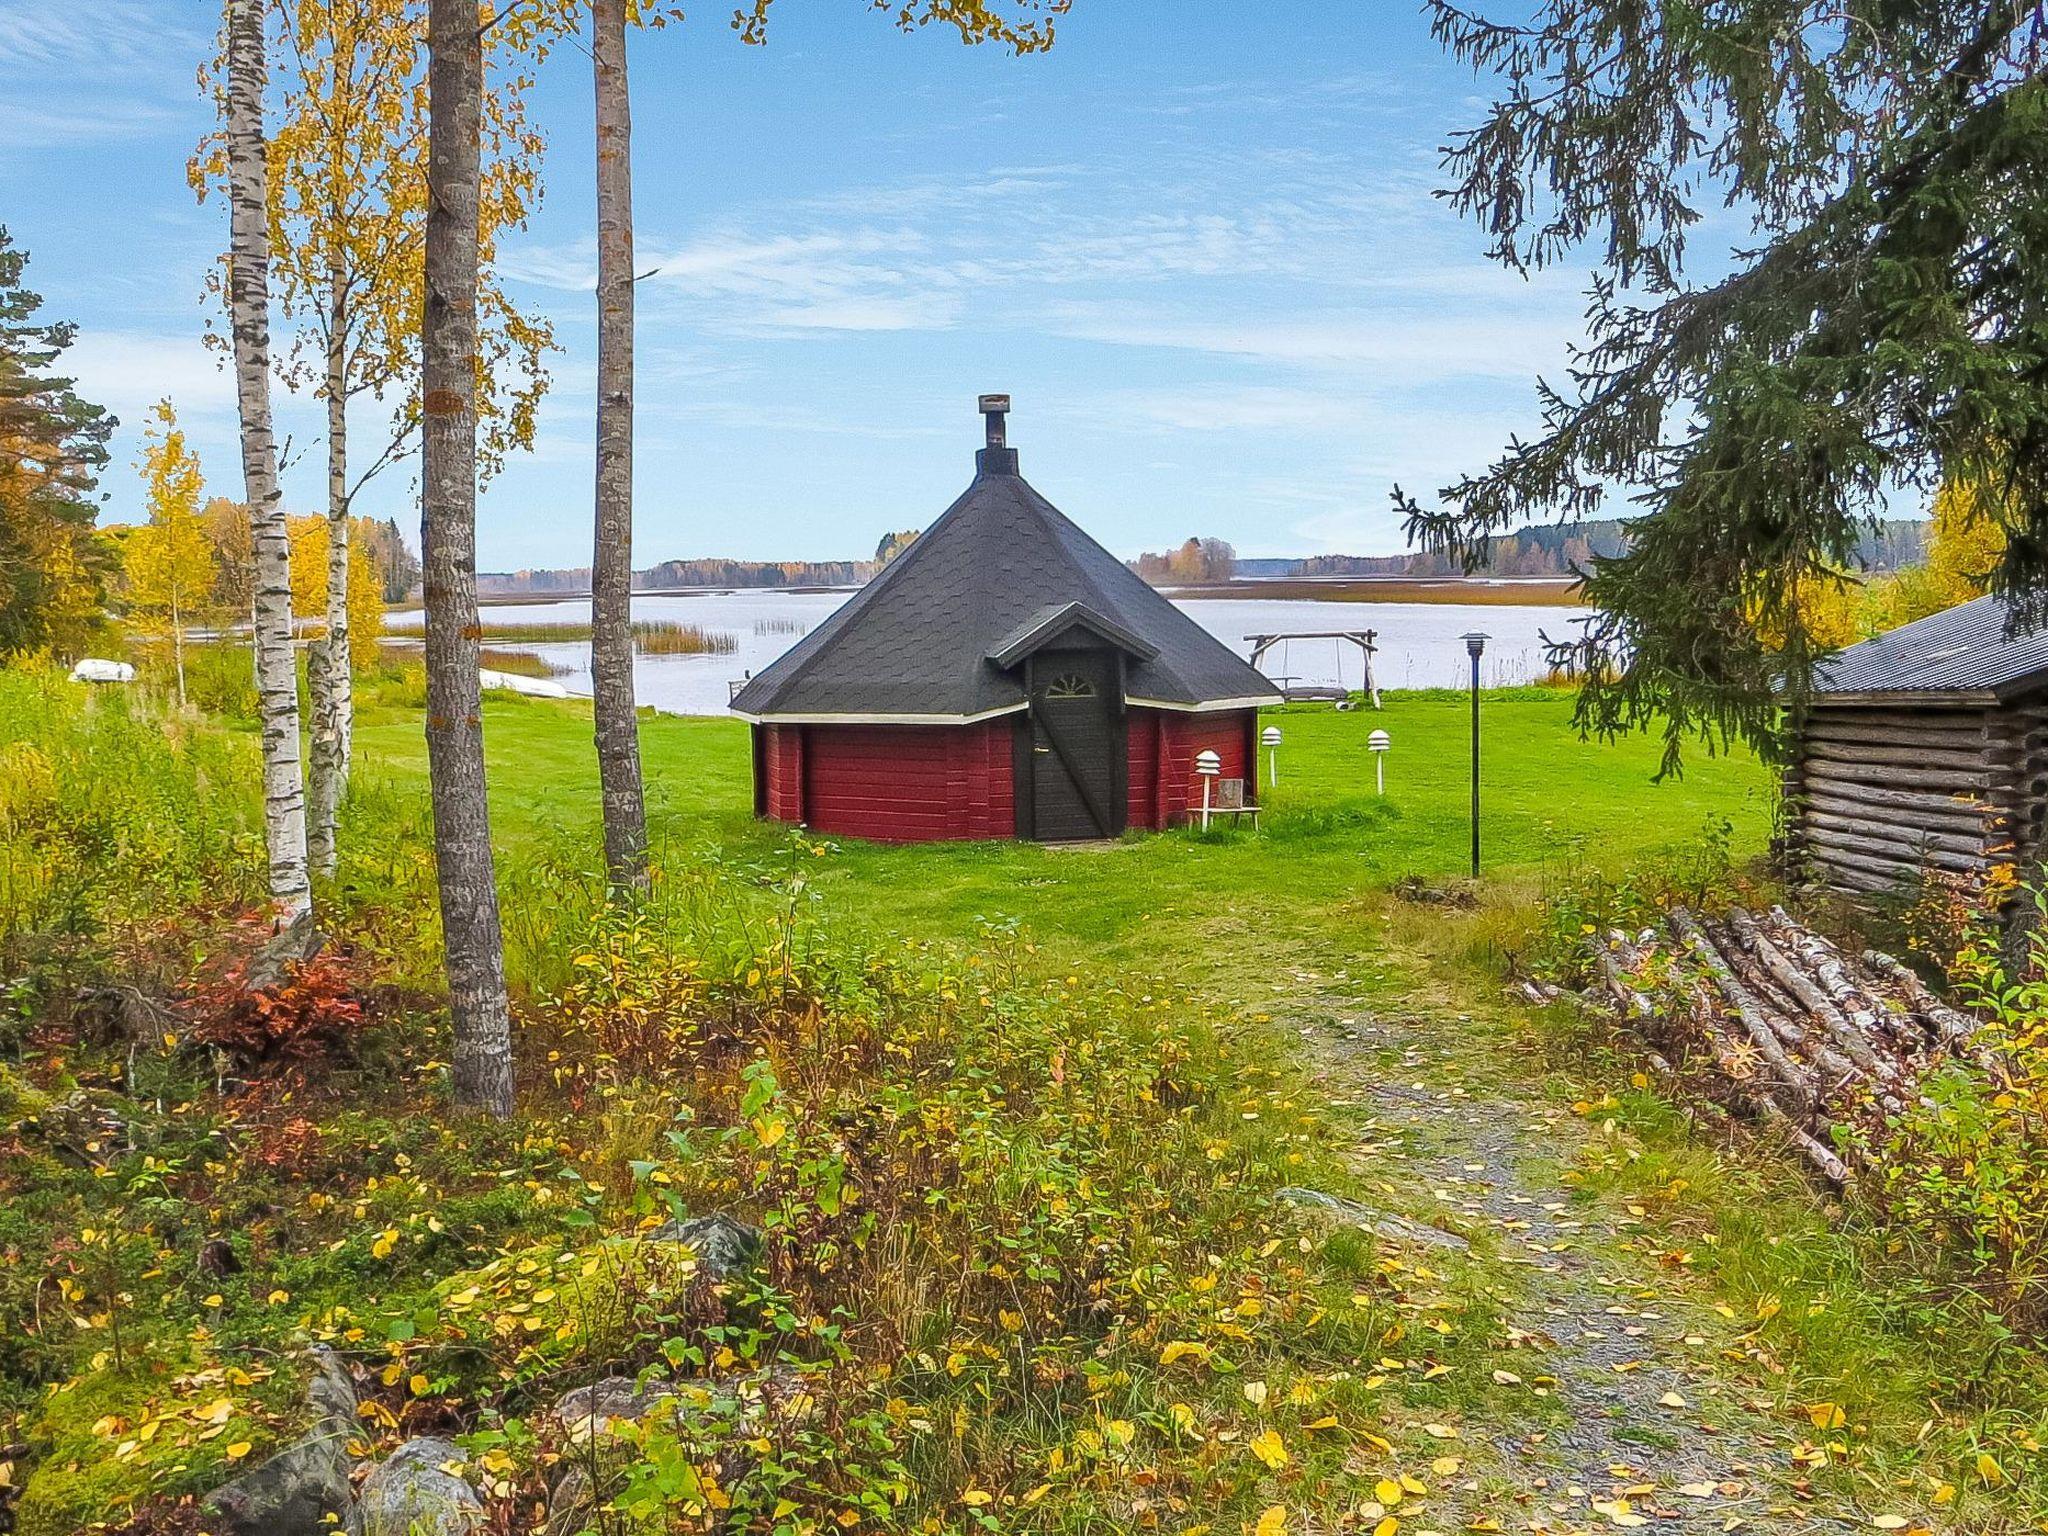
(311,1012)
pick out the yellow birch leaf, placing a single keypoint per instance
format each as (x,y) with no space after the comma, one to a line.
(1269,1448)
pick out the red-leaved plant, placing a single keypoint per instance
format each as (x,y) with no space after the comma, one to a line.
(311,1011)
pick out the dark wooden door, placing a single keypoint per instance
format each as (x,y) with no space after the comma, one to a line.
(1077,746)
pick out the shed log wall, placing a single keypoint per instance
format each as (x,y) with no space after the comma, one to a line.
(1879,793)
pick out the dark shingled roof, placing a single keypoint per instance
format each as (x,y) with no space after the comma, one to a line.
(1000,573)
(1964,650)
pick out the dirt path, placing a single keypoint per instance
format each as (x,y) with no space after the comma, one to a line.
(1612,1403)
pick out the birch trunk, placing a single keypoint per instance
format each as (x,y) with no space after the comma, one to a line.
(284,796)
(455,737)
(178,645)
(328,665)
(611,568)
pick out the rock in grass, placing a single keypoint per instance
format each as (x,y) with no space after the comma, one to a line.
(583,1411)
(304,1489)
(301,1491)
(416,1494)
(330,1390)
(570,1506)
(1397,1229)
(725,1247)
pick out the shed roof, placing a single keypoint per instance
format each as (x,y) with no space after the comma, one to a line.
(939,632)
(1963,650)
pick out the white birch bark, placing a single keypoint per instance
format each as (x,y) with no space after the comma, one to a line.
(613,705)
(455,737)
(328,667)
(284,799)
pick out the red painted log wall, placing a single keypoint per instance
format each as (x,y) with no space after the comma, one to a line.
(916,783)
(894,783)
(1177,788)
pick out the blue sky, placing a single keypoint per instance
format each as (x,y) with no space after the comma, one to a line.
(1195,243)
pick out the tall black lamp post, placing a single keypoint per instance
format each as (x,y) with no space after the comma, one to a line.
(1475,647)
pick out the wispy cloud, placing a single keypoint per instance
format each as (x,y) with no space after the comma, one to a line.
(129,371)
(74,73)
(1394,346)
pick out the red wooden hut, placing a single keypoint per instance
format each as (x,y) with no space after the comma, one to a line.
(1005,676)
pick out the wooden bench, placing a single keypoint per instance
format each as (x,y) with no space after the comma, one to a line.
(1228,800)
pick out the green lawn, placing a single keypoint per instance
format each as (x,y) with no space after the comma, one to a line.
(1550,800)
(1325,1031)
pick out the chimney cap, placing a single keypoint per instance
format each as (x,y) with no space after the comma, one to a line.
(989,403)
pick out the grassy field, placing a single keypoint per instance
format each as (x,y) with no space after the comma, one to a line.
(1069,1084)
(1786,1305)
(1550,803)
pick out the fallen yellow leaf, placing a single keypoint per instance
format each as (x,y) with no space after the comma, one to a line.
(1270,1448)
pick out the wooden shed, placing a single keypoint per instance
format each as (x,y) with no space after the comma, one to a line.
(1925,748)
(1005,676)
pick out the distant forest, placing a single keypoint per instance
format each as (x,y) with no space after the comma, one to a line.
(688,573)
(1530,552)
(709,573)
(1891,546)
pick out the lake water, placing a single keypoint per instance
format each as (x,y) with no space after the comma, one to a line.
(1419,645)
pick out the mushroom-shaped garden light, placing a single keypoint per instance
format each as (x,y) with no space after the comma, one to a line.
(1208,764)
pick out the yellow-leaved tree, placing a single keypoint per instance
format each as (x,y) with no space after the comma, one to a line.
(1830,607)
(311,554)
(169,560)
(1964,546)
(347,207)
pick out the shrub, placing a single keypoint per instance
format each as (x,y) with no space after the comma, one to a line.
(311,1011)
(114,812)
(1968,1168)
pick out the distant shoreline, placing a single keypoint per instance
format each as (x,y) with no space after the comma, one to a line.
(1504,591)
(1499,591)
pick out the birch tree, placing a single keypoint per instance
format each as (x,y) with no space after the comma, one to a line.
(347,216)
(474,942)
(248,296)
(613,706)
(1025,26)
(169,560)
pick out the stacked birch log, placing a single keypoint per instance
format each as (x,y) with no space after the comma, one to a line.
(1763,1019)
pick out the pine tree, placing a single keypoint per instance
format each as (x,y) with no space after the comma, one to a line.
(1887,328)
(52,447)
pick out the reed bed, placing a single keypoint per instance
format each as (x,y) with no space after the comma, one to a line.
(652,637)
(521,663)
(668,637)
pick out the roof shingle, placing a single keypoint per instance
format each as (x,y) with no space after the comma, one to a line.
(917,640)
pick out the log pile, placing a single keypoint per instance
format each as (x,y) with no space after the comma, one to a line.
(1764,1020)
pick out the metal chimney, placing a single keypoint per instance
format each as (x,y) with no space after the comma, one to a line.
(993,409)
(997,458)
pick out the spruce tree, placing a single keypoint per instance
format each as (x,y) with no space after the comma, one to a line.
(52,447)
(1886,325)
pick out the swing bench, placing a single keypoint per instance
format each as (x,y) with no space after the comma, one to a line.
(1320,693)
